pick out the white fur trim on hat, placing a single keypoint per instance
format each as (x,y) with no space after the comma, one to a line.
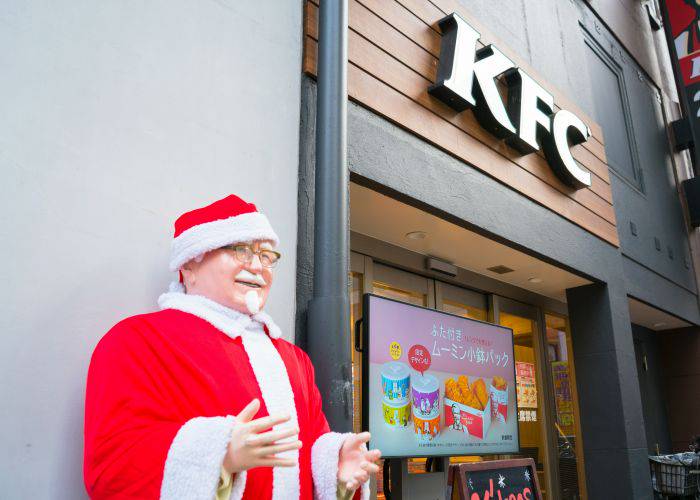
(203,238)
(324,466)
(193,466)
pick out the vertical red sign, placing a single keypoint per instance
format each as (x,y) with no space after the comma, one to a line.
(681,18)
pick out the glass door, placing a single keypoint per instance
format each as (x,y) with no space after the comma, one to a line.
(413,289)
(468,304)
(369,276)
(572,480)
(531,385)
(360,268)
(401,285)
(460,301)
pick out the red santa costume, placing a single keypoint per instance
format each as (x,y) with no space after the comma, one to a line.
(162,388)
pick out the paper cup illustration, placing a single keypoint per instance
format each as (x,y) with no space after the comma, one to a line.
(425,395)
(396,382)
(426,428)
(396,415)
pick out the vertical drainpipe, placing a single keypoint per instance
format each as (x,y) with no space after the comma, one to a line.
(328,341)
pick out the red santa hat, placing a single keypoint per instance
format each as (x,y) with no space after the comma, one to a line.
(225,222)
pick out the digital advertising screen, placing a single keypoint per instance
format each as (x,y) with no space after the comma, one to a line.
(436,384)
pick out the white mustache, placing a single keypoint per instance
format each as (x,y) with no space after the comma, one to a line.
(249,277)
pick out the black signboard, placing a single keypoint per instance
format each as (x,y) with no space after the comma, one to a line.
(495,480)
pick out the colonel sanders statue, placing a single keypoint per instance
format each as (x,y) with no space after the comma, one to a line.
(203,400)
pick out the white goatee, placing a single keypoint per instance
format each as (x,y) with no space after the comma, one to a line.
(252,302)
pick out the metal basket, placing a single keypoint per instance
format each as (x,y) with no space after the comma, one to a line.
(670,478)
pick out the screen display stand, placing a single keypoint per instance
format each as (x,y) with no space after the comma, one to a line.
(405,486)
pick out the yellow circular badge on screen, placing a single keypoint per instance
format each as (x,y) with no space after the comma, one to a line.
(395,350)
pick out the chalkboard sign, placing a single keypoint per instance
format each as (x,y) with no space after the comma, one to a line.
(494,480)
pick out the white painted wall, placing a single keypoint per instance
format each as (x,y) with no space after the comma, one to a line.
(116,116)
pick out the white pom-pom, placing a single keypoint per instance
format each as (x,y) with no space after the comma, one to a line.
(176,287)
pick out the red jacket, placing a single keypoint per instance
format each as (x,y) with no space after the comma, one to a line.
(151,377)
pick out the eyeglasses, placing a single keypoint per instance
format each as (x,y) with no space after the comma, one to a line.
(244,253)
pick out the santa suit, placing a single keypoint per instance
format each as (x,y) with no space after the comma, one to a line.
(162,389)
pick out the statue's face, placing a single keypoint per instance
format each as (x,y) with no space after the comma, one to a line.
(223,278)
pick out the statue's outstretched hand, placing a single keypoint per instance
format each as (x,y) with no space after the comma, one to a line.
(251,447)
(355,462)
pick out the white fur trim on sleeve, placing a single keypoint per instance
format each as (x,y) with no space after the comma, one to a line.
(193,466)
(324,466)
(203,238)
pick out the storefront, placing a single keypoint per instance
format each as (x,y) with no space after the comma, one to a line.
(120,116)
(547,402)
(449,209)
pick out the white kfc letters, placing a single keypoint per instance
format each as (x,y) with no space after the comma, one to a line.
(467,78)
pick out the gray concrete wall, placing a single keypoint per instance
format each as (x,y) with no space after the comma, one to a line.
(612,420)
(116,117)
(651,223)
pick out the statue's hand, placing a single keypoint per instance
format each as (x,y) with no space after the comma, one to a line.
(251,447)
(355,462)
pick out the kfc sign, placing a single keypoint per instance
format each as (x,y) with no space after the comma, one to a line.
(466,78)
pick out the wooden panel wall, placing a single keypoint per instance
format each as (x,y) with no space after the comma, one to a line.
(393,50)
